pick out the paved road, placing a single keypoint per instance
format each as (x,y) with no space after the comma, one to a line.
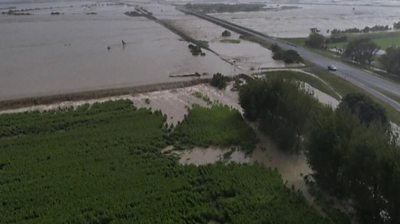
(361,78)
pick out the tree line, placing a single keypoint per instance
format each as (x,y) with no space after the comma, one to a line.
(361,50)
(351,149)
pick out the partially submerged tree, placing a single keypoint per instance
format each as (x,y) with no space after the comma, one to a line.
(281,107)
(361,50)
(226,33)
(218,80)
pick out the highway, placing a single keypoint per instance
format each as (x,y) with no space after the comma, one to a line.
(368,81)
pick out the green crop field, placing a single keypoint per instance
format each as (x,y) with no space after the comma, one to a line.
(220,126)
(103,164)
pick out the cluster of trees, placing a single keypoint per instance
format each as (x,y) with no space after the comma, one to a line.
(280,108)
(316,40)
(196,50)
(391,60)
(288,56)
(361,50)
(396,26)
(226,33)
(218,80)
(366,29)
(353,155)
(351,150)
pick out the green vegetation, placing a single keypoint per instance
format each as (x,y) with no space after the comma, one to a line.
(351,150)
(298,76)
(226,33)
(356,161)
(281,108)
(196,50)
(315,40)
(344,87)
(230,41)
(288,56)
(202,96)
(396,26)
(366,110)
(218,80)
(383,39)
(367,29)
(361,50)
(103,164)
(218,125)
(391,61)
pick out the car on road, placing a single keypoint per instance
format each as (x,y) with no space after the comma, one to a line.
(332,68)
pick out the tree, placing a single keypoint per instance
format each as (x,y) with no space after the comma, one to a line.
(281,107)
(219,81)
(361,50)
(275,48)
(226,33)
(315,40)
(364,108)
(289,56)
(396,26)
(292,56)
(391,60)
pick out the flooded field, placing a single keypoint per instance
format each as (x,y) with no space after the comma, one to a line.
(297,22)
(246,56)
(80,49)
(45,54)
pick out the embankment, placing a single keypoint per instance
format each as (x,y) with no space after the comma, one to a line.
(95,94)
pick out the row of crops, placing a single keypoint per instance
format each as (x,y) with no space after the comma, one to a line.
(103,164)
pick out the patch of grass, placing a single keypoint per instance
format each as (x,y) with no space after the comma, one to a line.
(298,76)
(383,39)
(202,96)
(103,164)
(218,125)
(230,41)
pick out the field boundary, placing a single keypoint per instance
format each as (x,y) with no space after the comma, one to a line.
(96,94)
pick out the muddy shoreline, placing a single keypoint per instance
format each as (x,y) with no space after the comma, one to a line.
(96,94)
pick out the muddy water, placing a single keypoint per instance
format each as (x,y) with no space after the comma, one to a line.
(43,54)
(175,103)
(297,22)
(246,56)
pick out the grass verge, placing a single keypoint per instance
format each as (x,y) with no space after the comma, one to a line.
(344,87)
(298,76)
(230,41)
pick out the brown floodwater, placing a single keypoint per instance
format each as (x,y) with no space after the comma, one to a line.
(43,54)
(297,22)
